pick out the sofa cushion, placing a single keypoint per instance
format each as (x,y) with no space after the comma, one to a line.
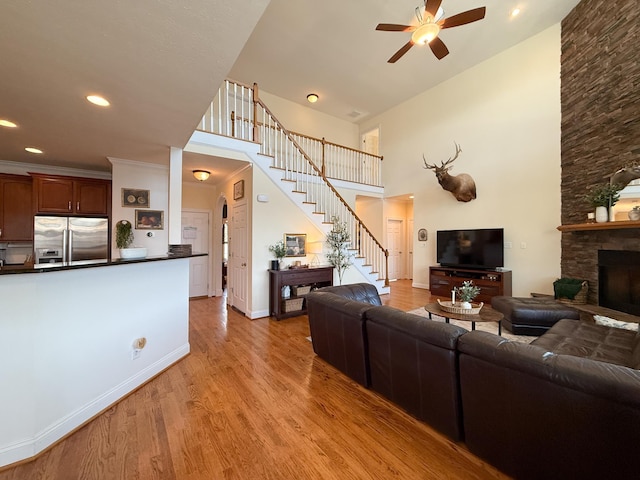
(531,316)
(414,363)
(359,292)
(588,340)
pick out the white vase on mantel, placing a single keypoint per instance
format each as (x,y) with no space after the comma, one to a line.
(602,214)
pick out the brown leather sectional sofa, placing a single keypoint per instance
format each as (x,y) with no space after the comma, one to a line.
(565,406)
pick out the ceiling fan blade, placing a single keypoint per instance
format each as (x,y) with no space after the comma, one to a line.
(401,52)
(438,48)
(431,7)
(392,27)
(464,18)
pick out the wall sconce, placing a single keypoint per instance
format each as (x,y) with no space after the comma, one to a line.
(201,175)
(312,97)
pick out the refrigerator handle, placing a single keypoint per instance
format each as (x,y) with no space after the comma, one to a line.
(70,242)
(65,245)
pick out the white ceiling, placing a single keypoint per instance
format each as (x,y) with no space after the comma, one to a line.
(161,61)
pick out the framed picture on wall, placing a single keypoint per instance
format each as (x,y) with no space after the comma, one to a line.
(238,190)
(422,235)
(295,244)
(133,197)
(150,219)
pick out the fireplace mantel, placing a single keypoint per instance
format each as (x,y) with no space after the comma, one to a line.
(599,226)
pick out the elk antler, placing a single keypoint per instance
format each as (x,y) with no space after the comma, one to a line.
(458,150)
(444,164)
(426,165)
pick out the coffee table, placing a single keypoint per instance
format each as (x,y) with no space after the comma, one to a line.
(487,314)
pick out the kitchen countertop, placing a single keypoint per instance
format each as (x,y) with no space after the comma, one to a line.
(18,269)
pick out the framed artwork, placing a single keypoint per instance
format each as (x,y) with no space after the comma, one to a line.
(295,244)
(238,190)
(150,219)
(422,235)
(132,197)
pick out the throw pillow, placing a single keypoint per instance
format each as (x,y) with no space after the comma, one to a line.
(610,322)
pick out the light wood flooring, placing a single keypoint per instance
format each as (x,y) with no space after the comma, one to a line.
(252,401)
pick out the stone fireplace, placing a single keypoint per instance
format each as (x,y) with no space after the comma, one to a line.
(600,126)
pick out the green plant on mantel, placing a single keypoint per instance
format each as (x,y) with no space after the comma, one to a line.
(605,195)
(124,234)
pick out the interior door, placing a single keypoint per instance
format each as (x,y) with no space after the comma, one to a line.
(195,231)
(394,241)
(238,258)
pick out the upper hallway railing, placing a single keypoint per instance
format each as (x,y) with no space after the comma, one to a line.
(232,114)
(256,123)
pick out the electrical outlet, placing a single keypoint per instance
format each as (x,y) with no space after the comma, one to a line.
(135,353)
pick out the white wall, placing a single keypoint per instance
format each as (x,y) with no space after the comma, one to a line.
(505,114)
(310,122)
(69,362)
(146,176)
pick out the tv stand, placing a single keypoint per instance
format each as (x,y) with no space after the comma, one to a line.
(491,282)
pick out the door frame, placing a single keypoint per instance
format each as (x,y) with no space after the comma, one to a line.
(210,289)
(402,270)
(216,236)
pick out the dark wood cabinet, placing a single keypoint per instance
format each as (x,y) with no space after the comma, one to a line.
(71,195)
(16,212)
(294,279)
(491,282)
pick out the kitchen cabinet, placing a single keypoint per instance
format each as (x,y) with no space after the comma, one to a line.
(294,279)
(16,212)
(71,195)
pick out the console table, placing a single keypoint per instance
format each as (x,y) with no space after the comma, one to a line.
(315,277)
(491,282)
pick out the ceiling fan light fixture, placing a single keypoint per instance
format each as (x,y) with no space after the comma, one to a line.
(425,33)
(201,175)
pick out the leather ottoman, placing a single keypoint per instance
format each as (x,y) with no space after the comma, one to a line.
(531,316)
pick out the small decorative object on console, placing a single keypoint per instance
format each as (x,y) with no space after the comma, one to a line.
(447,306)
(467,292)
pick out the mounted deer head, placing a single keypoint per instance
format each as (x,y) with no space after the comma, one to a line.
(461,186)
(625,175)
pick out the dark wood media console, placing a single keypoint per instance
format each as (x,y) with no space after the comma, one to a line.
(491,282)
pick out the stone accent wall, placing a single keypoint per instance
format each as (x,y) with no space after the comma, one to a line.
(600,96)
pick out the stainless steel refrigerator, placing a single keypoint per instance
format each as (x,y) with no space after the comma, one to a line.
(70,240)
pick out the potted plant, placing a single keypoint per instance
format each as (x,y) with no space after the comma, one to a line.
(338,239)
(603,197)
(279,251)
(467,292)
(124,240)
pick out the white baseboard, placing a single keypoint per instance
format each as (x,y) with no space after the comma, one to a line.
(258,314)
(30,447)
(420,285)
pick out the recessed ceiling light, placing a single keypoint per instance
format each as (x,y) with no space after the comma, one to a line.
(515,12)
(312,97)
(7,123)
(33,150)
(98,100)
(411,196)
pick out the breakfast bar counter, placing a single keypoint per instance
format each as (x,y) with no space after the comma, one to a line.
(71,342)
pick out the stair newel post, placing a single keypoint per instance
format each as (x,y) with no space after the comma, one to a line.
(386,268)
(324,142)
(255,112)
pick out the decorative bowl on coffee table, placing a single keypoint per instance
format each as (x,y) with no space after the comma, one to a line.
(447,306)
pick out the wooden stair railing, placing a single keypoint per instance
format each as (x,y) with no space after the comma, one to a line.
(258,124)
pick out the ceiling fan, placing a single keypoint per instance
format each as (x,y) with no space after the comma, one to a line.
(429,25)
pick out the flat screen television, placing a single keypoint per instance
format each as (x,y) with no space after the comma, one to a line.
(475,248)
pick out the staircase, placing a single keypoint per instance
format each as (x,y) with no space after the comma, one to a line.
(237,112)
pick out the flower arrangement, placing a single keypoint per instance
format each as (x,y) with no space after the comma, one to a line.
(279,250)
(468,291)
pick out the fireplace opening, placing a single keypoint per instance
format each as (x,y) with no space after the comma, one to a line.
(619,280)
